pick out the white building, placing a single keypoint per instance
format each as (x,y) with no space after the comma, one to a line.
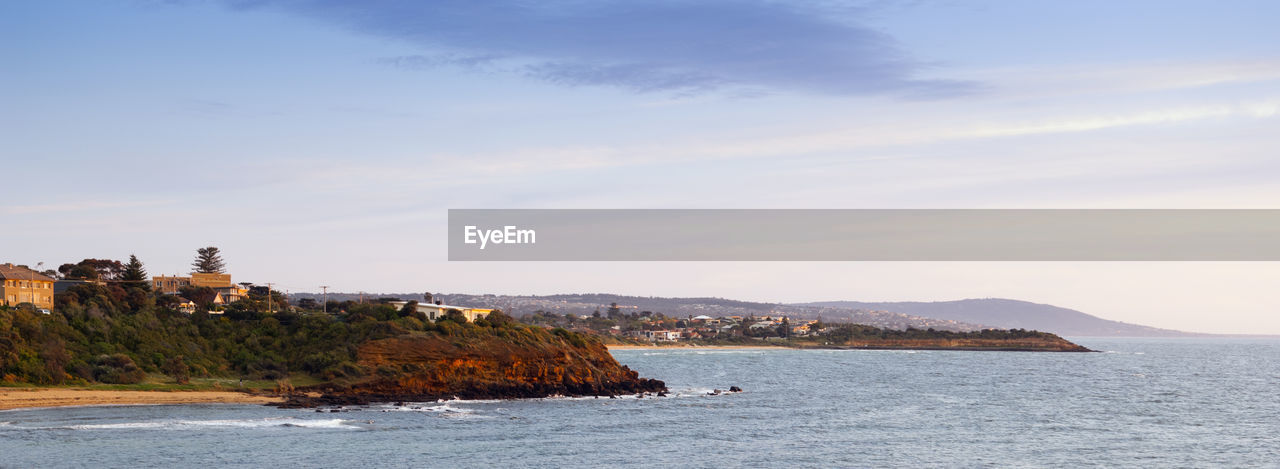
(437,311)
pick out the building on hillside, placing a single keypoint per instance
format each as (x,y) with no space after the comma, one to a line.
(232,293)
(186,306)
(22,285)
(437,311)
(168,284)
(221,283)
(214,281)
(61,286)
(656,336)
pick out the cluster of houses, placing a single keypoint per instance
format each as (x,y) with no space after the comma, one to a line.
(20,284)
(224,292)
(706,327)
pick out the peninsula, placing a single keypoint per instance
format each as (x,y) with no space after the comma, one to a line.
(112,334)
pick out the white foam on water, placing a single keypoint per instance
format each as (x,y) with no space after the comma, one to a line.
(476,401)
(201,424)
(444,410)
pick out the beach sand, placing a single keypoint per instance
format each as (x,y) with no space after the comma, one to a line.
(693,347)
(19,398)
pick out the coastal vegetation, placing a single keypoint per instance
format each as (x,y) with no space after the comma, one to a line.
(122,334)
(649,328)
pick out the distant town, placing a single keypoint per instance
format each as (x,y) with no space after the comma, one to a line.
(209,289)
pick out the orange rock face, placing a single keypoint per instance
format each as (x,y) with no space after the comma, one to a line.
(423,367)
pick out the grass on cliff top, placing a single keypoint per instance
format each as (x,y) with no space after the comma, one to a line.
(159,382)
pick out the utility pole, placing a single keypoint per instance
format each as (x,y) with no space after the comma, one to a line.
(326,298)
(269,284)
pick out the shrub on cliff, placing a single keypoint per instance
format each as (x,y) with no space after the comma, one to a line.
(117,369)
(573,338)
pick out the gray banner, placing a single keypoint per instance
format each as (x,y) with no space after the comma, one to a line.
(863,235)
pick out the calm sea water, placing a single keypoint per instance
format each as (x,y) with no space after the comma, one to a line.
(1145,402)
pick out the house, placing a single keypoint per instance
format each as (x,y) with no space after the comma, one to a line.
(22,285)
(220,283)
(186,306)
(232,293)
(214,281)
(656,336)
(437,310)
(167,284)
(61,286)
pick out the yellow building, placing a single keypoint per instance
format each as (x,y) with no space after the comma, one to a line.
(221,283)
(23,285)
(167,284)
(211,280)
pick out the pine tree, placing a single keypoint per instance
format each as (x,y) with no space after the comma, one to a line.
(208,261)
(134,275)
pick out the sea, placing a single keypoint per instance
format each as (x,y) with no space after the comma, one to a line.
(1137,403)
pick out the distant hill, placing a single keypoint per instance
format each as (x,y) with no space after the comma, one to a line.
(1013,314)
(588,303)
(961,315)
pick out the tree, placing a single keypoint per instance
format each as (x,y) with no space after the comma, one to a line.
(208,261)
(178,369)
(93,269)
(614,311)
(135,276)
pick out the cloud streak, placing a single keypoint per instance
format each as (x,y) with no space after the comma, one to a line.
(657,46)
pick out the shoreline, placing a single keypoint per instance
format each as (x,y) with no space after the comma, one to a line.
(27,398)
(699,347)
(848,347)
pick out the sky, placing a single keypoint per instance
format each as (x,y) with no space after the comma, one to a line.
(322,142)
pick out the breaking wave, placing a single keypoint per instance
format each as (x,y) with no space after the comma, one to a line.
(287,422)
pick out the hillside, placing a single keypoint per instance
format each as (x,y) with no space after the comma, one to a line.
(586,304)
(373,350)
(958,316)
(1012,314)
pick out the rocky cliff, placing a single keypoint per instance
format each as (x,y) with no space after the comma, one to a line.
(424,367)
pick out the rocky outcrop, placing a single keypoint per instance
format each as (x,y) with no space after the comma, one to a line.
(427,367)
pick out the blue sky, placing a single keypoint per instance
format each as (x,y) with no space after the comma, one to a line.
(320,142)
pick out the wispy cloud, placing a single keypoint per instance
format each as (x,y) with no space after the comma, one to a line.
(662,45)
(74,206)
(842,140)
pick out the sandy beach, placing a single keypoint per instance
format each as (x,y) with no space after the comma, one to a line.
(695,347)
(19,398)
